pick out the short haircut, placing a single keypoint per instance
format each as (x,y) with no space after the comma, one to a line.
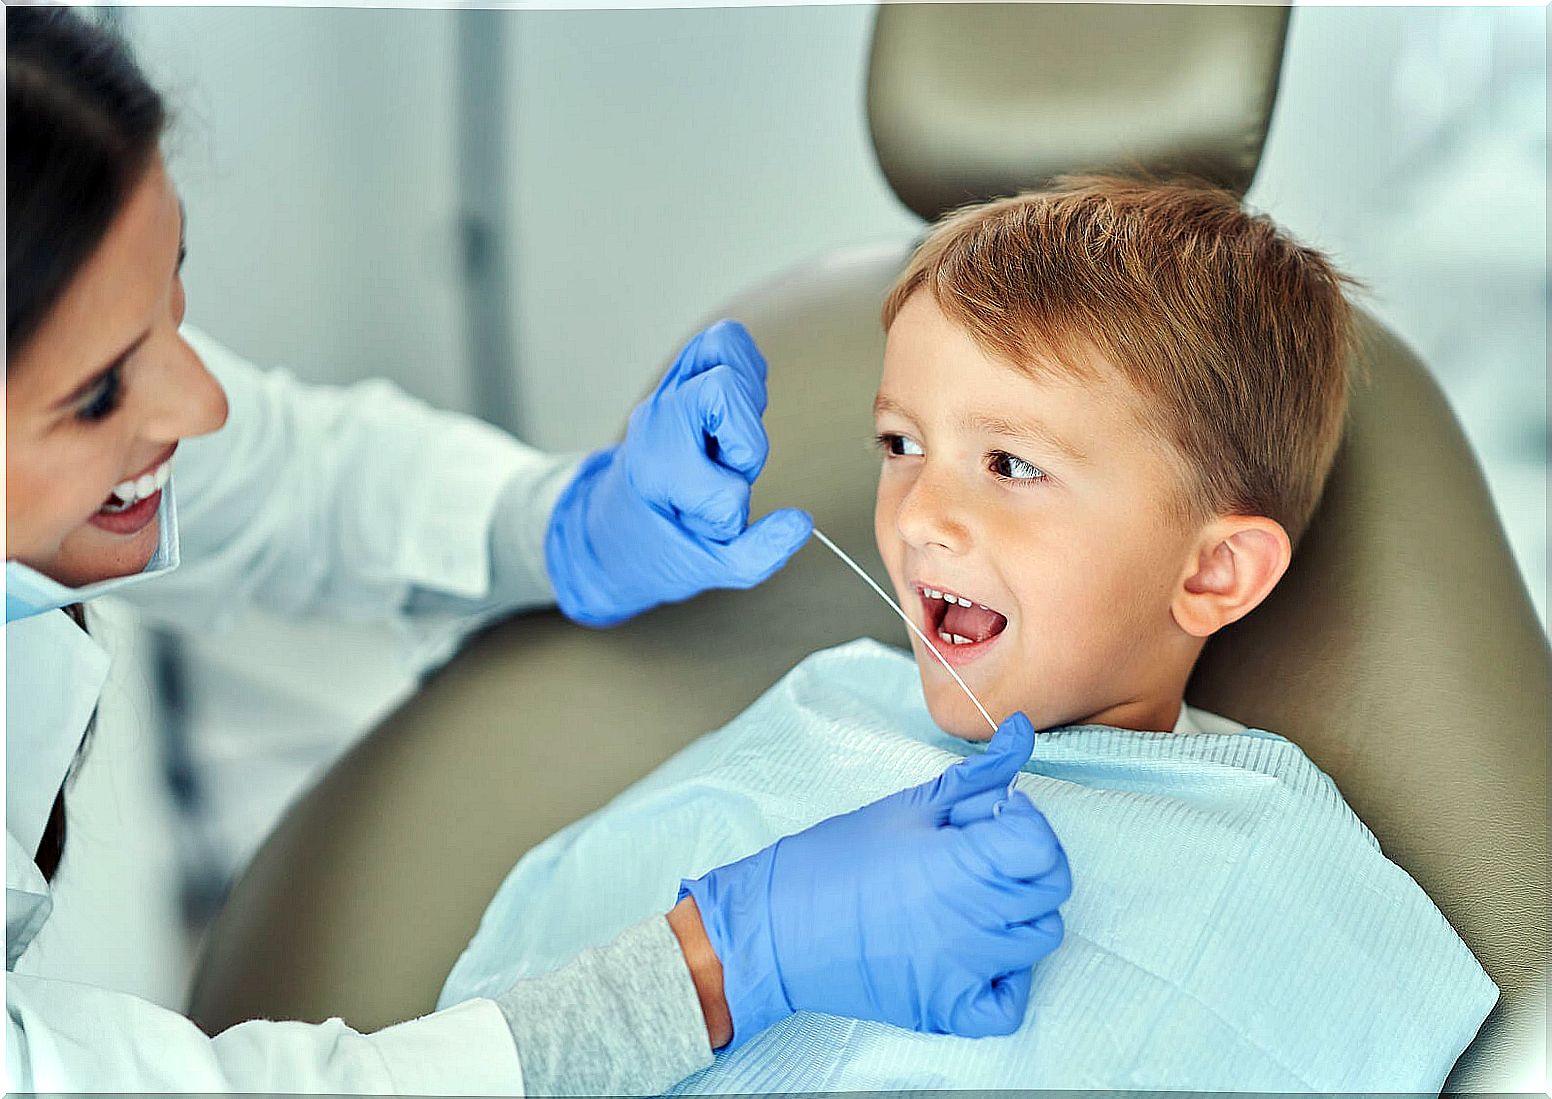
(1237,337)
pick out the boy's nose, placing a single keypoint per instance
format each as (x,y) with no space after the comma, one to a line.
(931,514)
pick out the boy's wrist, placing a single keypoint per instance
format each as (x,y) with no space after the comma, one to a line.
(684,919)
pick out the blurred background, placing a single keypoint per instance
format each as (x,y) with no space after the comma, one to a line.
(523,214)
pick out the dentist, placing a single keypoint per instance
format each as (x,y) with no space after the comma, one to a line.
(143,458)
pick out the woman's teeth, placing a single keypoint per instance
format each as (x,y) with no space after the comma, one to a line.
(126,494)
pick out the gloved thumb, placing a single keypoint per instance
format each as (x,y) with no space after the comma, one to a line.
(755,555)
(1006,753)
(996,1008)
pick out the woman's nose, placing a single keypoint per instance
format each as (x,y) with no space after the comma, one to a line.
(931,513)
(186,400)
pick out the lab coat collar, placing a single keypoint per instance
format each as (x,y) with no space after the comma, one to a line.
(27,901)
(54,673)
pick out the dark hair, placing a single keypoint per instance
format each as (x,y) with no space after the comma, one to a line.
(81,128)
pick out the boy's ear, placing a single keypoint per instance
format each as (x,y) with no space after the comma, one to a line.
(1235,565)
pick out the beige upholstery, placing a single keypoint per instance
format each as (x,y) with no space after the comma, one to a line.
(966,102)
(1401,652)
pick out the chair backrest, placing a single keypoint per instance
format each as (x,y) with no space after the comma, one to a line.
(967,101)
(1400,652)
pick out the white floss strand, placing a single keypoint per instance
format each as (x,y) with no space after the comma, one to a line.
(856,568)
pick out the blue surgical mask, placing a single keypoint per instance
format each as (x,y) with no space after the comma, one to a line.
(29,592)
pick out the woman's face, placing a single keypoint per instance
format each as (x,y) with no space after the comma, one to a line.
(97,400)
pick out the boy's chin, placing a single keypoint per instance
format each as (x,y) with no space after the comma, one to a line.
(957,715)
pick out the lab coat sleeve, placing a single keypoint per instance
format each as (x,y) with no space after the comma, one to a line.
(66,1037)
(345,501)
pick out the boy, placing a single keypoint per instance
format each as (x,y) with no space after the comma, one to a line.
(1148,390)
(1107,412)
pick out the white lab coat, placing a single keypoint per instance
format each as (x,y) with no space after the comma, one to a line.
(335,501)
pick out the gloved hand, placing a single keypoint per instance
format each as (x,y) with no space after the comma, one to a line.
(664,515)
(925,909)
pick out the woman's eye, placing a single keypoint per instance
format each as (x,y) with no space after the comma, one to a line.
(103,399)
(899,446)
(1010,467)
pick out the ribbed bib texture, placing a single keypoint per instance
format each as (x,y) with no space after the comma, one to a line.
(1233,925)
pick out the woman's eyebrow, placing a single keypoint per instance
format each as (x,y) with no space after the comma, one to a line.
(85,387)
(118,360)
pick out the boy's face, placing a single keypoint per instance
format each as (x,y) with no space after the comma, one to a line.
(1045,504)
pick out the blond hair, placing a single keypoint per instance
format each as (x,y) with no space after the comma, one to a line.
(1237,337)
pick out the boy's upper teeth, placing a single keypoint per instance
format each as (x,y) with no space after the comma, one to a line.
(950,597)
(144,485)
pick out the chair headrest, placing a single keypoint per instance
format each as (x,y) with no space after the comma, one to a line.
(970,101)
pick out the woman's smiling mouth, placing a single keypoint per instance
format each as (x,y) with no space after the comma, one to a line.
(133,502)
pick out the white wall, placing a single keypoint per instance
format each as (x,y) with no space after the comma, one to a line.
(314,151)
(664,161)
(1412,143)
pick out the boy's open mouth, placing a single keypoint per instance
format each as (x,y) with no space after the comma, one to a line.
(956,619)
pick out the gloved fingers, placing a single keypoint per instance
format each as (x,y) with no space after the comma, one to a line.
(982,806)
(755,555)
(996,1007)
(726,343)
(1006,753)
(1013,946)
(993,904)
(667,463)
(718,405)
(1016,844)
(1027,943)
(710,501)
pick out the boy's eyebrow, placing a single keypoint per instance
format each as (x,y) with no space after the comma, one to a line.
(1031,430)
(987,424)
(883,403)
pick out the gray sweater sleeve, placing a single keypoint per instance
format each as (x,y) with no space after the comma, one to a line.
(621,1019)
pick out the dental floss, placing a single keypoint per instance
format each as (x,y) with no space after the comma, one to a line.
(856,568)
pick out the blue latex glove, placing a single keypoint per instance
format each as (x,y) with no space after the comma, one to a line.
(926,909)
(665,514)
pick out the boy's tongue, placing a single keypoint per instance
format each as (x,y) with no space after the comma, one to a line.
(973,622)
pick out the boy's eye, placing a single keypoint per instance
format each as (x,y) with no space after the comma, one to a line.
(102,399)
(899,446)
(1010,467)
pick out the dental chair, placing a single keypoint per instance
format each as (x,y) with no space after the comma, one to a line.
(1401,651)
